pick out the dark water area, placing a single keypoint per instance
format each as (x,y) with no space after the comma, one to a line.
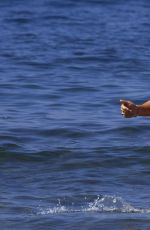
(68,160)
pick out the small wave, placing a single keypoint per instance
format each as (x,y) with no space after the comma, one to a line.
(63,132)
(102,204)
(77,89)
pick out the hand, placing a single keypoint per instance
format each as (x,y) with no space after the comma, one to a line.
(128,109)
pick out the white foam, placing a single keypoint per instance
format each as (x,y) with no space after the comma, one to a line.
(54,210)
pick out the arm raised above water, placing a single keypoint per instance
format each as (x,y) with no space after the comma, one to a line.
(129,109)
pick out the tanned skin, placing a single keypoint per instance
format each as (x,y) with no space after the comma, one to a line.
(129,109)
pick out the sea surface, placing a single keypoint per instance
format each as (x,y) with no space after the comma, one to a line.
(68,159)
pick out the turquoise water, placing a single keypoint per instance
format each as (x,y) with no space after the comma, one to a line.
(68,160)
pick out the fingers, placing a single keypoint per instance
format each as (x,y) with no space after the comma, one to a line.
(128,108)
(124,108)
(125,111)
(124,102)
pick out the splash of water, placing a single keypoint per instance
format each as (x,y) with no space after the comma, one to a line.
(110,204)
(100,204)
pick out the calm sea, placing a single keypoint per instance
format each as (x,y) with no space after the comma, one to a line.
(68,160)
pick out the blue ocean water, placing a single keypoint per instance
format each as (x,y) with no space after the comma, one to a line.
(68,160)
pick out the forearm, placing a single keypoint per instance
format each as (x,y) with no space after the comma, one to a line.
(144,109)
